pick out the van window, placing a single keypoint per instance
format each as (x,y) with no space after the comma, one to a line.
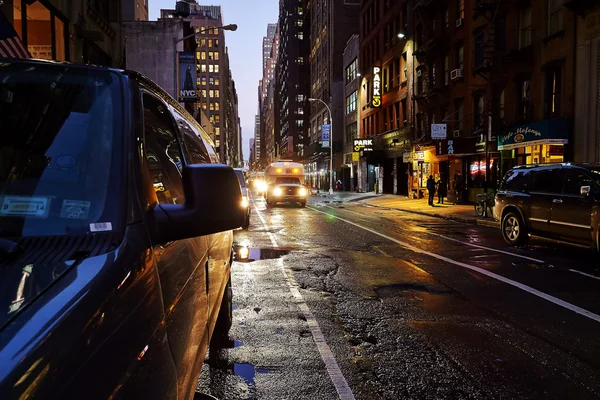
(287,181)
(546,181)
(516,180)
(574,179)
(162,152)
(193,145)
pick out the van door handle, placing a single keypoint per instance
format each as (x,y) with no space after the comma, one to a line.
(557,201)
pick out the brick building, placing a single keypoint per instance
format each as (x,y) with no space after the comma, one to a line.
(386,107)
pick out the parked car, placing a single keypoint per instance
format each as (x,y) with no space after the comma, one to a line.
(245,199)
(554,200)
(115,236)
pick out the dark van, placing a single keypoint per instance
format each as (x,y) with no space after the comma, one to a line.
(558,201)
(115,236)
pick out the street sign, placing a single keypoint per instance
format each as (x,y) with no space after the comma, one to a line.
(363,145)
(325,136)
(419,156)
(187,76)
(355,156)
(376,87)
(438,131)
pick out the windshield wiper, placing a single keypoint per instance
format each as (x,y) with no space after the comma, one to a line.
(10,247)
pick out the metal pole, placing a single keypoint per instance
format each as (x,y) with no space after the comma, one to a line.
(331,149)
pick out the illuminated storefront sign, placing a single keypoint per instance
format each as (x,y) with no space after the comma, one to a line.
(376,87)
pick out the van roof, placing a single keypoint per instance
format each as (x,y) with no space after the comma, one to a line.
(563,164)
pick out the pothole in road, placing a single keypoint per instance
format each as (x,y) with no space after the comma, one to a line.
(395,290)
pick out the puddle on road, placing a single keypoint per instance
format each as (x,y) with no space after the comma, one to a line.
(248,254)
(248,372)
(237,343)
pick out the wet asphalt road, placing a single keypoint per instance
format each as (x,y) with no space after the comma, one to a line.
(409,307)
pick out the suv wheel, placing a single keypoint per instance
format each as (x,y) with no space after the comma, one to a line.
(514,231)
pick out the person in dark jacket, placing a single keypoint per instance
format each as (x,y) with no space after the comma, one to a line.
(442,190)
(431,189)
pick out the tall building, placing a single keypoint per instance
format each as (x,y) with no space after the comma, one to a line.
(387,109)
(86,32)
(332,23)
(352,175)
(291,84)
(587,80)
(252,158)
(269,56)
(134,10)
(217,95)
(269,135)
(257,139)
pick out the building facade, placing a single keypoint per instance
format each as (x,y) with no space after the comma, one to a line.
(216,88)
(387,108)
(134,10)
(83,32)
(587,80)
(332,23)
(351,173)
(291,83)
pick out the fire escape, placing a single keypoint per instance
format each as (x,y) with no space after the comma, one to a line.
(431,46)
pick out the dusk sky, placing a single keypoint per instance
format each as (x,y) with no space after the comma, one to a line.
(245,49)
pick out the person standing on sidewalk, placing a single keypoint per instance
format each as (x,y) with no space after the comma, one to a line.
(442,190)
(458,187)
(431,189)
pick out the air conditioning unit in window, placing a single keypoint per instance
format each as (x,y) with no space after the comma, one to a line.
(456,74)
(456,133)
(459,22)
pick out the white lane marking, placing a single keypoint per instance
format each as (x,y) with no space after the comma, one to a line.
(498,250)
(585,274)
(333,369)
(476,245)
(482,271)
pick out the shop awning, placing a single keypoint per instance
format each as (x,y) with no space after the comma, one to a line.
(550,131)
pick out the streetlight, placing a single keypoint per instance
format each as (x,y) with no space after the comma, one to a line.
(310,99)
(401,35)
(230,27)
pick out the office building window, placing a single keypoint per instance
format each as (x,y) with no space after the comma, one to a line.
(211,68)
(217,68)
(460,57)
(211,107)
(525,28)
(211,93)
(217,43)
(210,43)
(351,102)
(524,90)
(203,81)
(556,16)
(204,95)
(203,67)
(211,81)
(216,81)
(203,55)
(217,93)
(210,55)
(216,55)
(217,131)
(217,118)
(204,105)
(351,71)
(300,35)
(217,106)
(351,132)
(553,91)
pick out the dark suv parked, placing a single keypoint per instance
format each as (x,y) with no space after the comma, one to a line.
(115,236)
(558,201)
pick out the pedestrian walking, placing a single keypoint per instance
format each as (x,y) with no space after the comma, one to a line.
(458,187)
(431,189)
(442,190)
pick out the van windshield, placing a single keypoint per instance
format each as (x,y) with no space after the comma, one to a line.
(60,150)
(287,181)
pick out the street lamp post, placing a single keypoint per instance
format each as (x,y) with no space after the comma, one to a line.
(330,143)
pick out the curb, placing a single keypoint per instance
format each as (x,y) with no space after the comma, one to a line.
(474,220)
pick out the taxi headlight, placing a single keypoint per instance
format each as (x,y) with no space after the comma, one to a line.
(277,191)
(245,203)
(262,186)
(302,192)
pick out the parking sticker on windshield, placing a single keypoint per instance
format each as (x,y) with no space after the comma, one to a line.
(23,206)
(101,227)
(75,209)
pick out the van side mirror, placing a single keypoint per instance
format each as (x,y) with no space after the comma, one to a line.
(213,203)
(585,191)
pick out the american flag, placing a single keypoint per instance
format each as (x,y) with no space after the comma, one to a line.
(10,44)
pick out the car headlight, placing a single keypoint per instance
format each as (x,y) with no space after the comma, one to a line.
(302,192)
(245,202)
(262,186)
(277,191)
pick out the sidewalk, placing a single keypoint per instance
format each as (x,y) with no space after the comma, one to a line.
(461,213)
(345,196)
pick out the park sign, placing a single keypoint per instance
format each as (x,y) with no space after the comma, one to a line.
(363,145)
(376,87)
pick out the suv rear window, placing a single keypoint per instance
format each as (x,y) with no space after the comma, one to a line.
(516,180)
(546,181)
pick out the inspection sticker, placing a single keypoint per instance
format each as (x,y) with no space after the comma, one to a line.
(25,206)
(75,209)
(101,227)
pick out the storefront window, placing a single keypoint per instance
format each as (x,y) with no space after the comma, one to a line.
(46,32)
